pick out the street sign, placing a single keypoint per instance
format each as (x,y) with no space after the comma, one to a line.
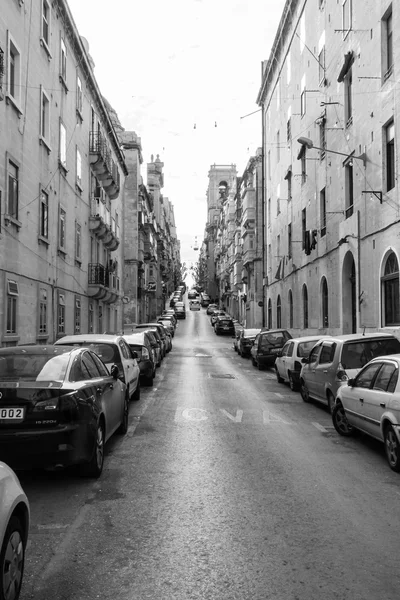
(152,286)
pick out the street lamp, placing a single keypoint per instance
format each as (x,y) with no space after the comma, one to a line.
(309,145)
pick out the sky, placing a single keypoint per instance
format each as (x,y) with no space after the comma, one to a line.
(182,74)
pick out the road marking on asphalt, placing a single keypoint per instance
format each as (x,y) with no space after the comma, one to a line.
(52,526)
(236,419)
(200,414)
(319,427)
(269,417)
(279,395)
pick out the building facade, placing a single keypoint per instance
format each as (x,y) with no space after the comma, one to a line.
(331,194)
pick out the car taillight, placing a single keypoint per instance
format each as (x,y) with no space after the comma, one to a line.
(49,404)
(341,374)
(145,354)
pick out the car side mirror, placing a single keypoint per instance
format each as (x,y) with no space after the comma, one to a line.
(134,354)
(114,371)
(305,360)
(351,382)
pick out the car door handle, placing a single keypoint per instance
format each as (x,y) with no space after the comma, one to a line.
(361,400)
(383,404)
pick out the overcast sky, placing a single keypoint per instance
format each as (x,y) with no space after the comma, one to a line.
(166,66)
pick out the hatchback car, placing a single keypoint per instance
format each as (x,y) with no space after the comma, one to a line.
(224,325)
(333,361)
(146,358)
(266,346)
(113,350)
(193,294)
(211,308)
(156,344)
(370,403)
(246,341)
(194,305)
(288,363)
(14,529)
(168,324)
(58,407)
(160,330)
(215,314)
(180,310)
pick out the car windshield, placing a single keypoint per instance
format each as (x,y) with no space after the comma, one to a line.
(250,332)
(356,354)
(33,367)
(107,352)
(304,348)
(276,338)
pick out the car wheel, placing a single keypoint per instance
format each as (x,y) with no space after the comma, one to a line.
(392,448)
(278,377)
(12,560)
(253,362)
(260,366)
(292,383)
(148,381)
(136,393)
(94,467)
(304,391)
(340,421)
(331,402)
(123,428)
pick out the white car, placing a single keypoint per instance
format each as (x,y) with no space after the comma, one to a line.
(14,528)
(113,350)
(288,362)
(370,402)
(194,305)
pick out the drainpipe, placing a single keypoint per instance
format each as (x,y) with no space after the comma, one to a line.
(263,209)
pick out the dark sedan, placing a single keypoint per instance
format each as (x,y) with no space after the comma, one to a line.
(224,325)
(146,357)
(58,406)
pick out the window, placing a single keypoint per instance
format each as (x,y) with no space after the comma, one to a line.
(11,314)
(303,227)
(90,317)
(13,190)
(14,72)
(78,169)
(79,96)
(387,49)
(303,103)
(303,159)
(327,353)
(63,63)
(77,315)
(325,303)
(390,162)
(390,292)
(278,313)
(78,241)
(322,211)
(269,314)
(386,377)
(322,138)
(290,303)
(349,188)
(305,307)
(62,229)
(61,314)
(348,99)
(346,16)
(290,240)
(44,117)
(46,14)
(289,130)
(42,311)
(365,378)
(321,68)
(44,215)
(63,146)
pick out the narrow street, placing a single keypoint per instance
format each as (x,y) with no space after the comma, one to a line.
(227,486)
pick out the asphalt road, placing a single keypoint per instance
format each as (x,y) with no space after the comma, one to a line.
(227,486)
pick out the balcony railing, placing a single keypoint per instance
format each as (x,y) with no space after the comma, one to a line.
(103,164)
(98,275)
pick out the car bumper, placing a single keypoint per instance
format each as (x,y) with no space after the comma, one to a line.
(146,369)
(266,361)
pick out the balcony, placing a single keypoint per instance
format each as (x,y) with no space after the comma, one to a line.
(102,283)
(102,225)
(248,207)
(103,164)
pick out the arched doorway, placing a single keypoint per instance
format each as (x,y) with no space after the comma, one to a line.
(349,291)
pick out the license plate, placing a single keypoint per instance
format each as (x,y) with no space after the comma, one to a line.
(16,414)
(275,350)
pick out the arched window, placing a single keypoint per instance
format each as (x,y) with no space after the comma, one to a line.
(290,303)
(305,307)
(278,313)
(325,304)
(269,314)
(390,291)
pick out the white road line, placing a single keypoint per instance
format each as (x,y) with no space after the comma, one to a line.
(320,427)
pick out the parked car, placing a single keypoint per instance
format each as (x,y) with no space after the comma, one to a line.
(168,338)
(204,300)
(146,357)
(168,324)
(333,361)
(180,310)
(370,402)
(211,308)
(288,362)
(266,346)
(58,406)
(215,314)
(160,330)
(113,350)
(246,340)
(194,305)
(169,314)
(238,330)
(224,325)
(156,344)
(193,294)
(14,530)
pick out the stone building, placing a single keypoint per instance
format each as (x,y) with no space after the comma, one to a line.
(330,114)
(61,176)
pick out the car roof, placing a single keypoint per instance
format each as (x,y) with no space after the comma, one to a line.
(35,349)
(396,357)
(251,331)
(310,338)
(350,337)
(90,337)
(136,338)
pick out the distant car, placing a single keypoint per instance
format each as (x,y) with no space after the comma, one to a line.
(266,346)
(156,344)
(246,340)
(224,325)
(180,310)
(194,305)
(141,344)
(204,300)
(160,331)
(288,362)
(169,314)
(193,294)
(168,324)
(370,402)
(334,360)
(58,406)
(211,308)
(14,529)
(215,314)
(113,350)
